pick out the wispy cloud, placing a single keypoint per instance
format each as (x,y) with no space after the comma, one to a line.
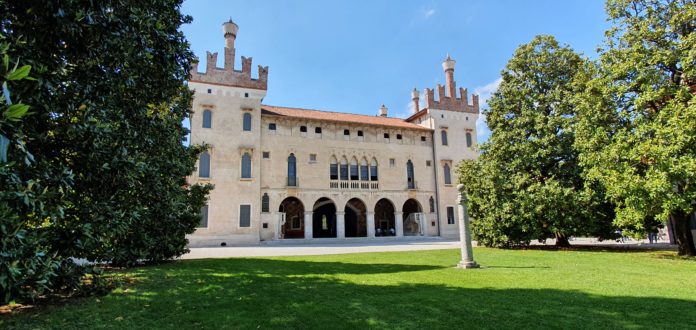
(429,12)
(484,92)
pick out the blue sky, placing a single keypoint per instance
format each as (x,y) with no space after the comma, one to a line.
(352,56)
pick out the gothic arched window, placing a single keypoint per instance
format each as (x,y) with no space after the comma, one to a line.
(344,169)
(443,134)
(292,171)
(333,169)
(246,166)
(469,141)
(373,170)
(246,125)
(364,171)
(448,175)
(409,175)
(432,204)
(354,175)
(265,203)
(207,118)
(204,165)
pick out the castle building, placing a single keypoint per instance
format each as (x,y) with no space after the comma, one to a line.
(283,173)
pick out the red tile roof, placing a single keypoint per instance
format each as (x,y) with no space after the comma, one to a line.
(339,117)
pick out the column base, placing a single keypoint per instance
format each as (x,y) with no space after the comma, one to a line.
(468,265)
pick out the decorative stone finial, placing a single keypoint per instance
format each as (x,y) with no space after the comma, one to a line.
(449,63)
(230,28)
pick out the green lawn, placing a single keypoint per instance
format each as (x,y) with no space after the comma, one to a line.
(408,290)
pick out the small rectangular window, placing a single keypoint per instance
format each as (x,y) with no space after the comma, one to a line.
(272,126)
(346,132)
(317,130)
(427,163)
(303,129)
(246,94)
(210,91)
(450,215)
(266,154)
(392,161)
(265,225)
(360,133)
(423,138)
(245,215)
(204,217)
(398,136)
(312,158)
(386,135)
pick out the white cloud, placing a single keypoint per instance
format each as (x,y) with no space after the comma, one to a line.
(484,93)
(429,12)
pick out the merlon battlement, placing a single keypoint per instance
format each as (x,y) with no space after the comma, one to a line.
(227,75)
(447,95)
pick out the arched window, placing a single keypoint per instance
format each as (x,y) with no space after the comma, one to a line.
(246,125)
(409,175)
(265,203)
(432,204)
(333,169)
(246,166)
(292,171)
(207,118)
(364,170)
(204,165)
(204,217)
(443,133)
(344,169)
(373,170)
(354,175)
(469,141)
(448,175)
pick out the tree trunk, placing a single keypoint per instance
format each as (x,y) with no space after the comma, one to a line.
(562,240)
(682,231)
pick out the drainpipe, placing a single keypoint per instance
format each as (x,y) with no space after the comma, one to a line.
(437,187)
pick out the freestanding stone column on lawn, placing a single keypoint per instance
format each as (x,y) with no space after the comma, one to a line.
(370,224)
(340,224)
(464,232)
(308,232)
(399,219)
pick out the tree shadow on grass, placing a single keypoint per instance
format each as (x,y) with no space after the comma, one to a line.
(282,294)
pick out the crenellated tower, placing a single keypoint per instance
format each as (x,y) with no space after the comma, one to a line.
(227,75)
(447,95)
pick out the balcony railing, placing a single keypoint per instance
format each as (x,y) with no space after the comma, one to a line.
(413,185)
(353,185)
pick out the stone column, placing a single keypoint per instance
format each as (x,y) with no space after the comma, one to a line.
(308,222)
(340,224)
(370,224)
(464,231)
(399,222)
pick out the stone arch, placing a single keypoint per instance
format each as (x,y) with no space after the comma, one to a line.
(412,211)
(384,218)
(324,218)
(355,218)
(293,211)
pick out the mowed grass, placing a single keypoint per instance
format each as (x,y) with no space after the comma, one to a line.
(396,290)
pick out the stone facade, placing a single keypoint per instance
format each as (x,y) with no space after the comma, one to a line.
(289,173)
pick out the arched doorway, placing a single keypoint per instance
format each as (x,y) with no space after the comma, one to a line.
(292,218)
(412,221)
(356,218)
(384,218)
(324,218)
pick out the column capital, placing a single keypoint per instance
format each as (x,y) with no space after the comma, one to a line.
(398,213)
(308,212)
(340,213)
(370,212)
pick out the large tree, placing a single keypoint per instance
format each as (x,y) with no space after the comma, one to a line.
(107,106)
(527,183)
(638,122)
